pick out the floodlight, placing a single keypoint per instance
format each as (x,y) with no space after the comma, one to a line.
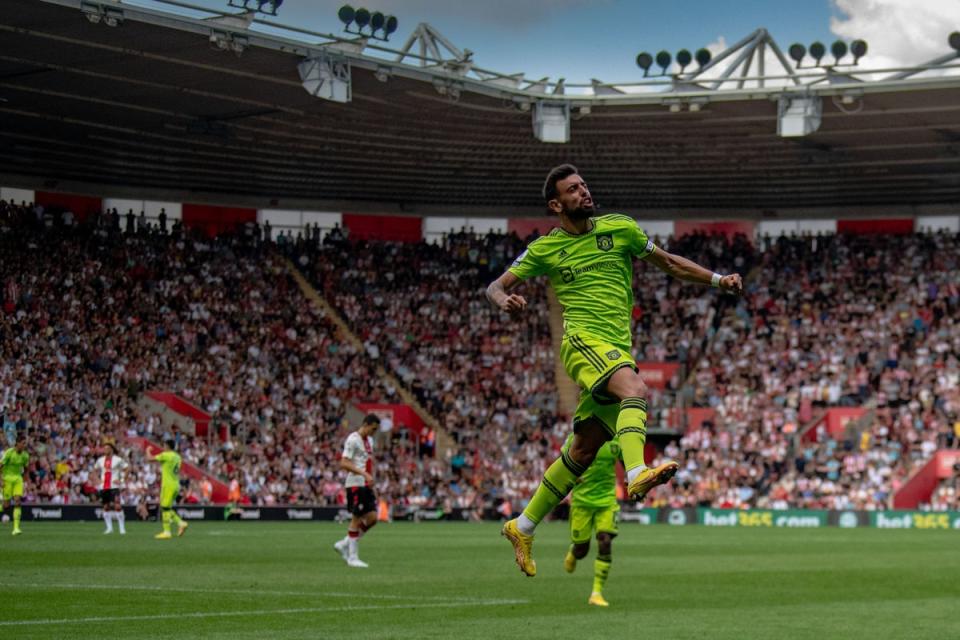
(644,61)
(817,51)
(798,115)
(551,121)
(838,49)
(703,57)
(797,51)
(326,77)
(954,41)
(859,49)
(683,59)
(663,60)
(346,14)
(376,21)
(361,18)
(390,25)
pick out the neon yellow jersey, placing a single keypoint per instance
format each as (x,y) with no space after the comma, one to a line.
(170,469)
(592,274)
(597,487)
(13,463)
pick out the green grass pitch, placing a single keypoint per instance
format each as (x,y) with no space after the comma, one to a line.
(458,580)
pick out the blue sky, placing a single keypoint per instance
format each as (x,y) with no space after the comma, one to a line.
(584,39)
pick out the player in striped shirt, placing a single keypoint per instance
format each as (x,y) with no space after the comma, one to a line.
(111,470)
(357,461)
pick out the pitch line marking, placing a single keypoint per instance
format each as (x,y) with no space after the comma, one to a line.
(261,612)
(259,592)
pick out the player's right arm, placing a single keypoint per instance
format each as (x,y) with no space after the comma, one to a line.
(498,292)
(527,265)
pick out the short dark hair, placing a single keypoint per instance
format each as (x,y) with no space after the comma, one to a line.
(171,444)
(556,174)
(371,418)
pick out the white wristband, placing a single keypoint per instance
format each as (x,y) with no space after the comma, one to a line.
(715,280)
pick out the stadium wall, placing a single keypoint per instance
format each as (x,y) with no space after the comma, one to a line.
(407,228)
(726,518)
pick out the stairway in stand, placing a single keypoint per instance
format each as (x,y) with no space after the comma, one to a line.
(444,442)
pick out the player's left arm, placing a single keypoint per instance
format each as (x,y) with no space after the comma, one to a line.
(689,271)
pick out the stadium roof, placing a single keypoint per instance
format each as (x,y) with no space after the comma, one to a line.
(163,104)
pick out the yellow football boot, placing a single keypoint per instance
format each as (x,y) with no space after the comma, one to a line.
(650,478)
(522,547)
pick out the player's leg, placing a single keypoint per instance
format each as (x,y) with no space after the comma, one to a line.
(107,511)
(119,516)
(627,386)
(601,568)
(175,517)
(342,546)
(606,524)
(558,480)
(581,526)
(166,513)
(17,498)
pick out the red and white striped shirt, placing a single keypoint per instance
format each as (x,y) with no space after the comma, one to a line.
(111,470)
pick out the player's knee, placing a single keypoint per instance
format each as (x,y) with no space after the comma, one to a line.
(604,544)
(627,383)
(585,444)
(581,549)
(636,388)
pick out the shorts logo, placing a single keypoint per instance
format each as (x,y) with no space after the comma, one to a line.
(576,533)
(613,355)
(567,274)
(605,242)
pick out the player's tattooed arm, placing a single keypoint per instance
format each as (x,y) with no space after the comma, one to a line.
(499,294)
(689,271)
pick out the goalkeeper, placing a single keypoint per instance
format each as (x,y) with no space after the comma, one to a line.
(594,507)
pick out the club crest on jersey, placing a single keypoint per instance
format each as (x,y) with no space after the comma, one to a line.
(613,355)
(605,242)
(566,273)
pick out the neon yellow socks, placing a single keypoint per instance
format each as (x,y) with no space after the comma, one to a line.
(557,482)
(632,432)
(601,569)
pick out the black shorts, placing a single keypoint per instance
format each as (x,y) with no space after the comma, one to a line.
(361,501)
(109,496)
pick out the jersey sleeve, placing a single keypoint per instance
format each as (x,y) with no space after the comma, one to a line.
(528,264)
(163,456)
(639,243)
(349,448)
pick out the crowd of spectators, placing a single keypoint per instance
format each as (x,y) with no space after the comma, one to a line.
(94,314)
(828,321)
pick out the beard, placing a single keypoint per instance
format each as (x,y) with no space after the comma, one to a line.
(581,213)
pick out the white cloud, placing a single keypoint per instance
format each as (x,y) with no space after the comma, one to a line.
(898,32)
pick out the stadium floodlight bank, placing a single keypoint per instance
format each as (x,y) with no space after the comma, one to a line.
(755,68)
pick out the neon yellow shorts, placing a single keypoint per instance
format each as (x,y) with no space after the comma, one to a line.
(168,496)
(12,487)
(585,520)
(590,362)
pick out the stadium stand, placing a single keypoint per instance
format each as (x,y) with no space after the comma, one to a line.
(104,315)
